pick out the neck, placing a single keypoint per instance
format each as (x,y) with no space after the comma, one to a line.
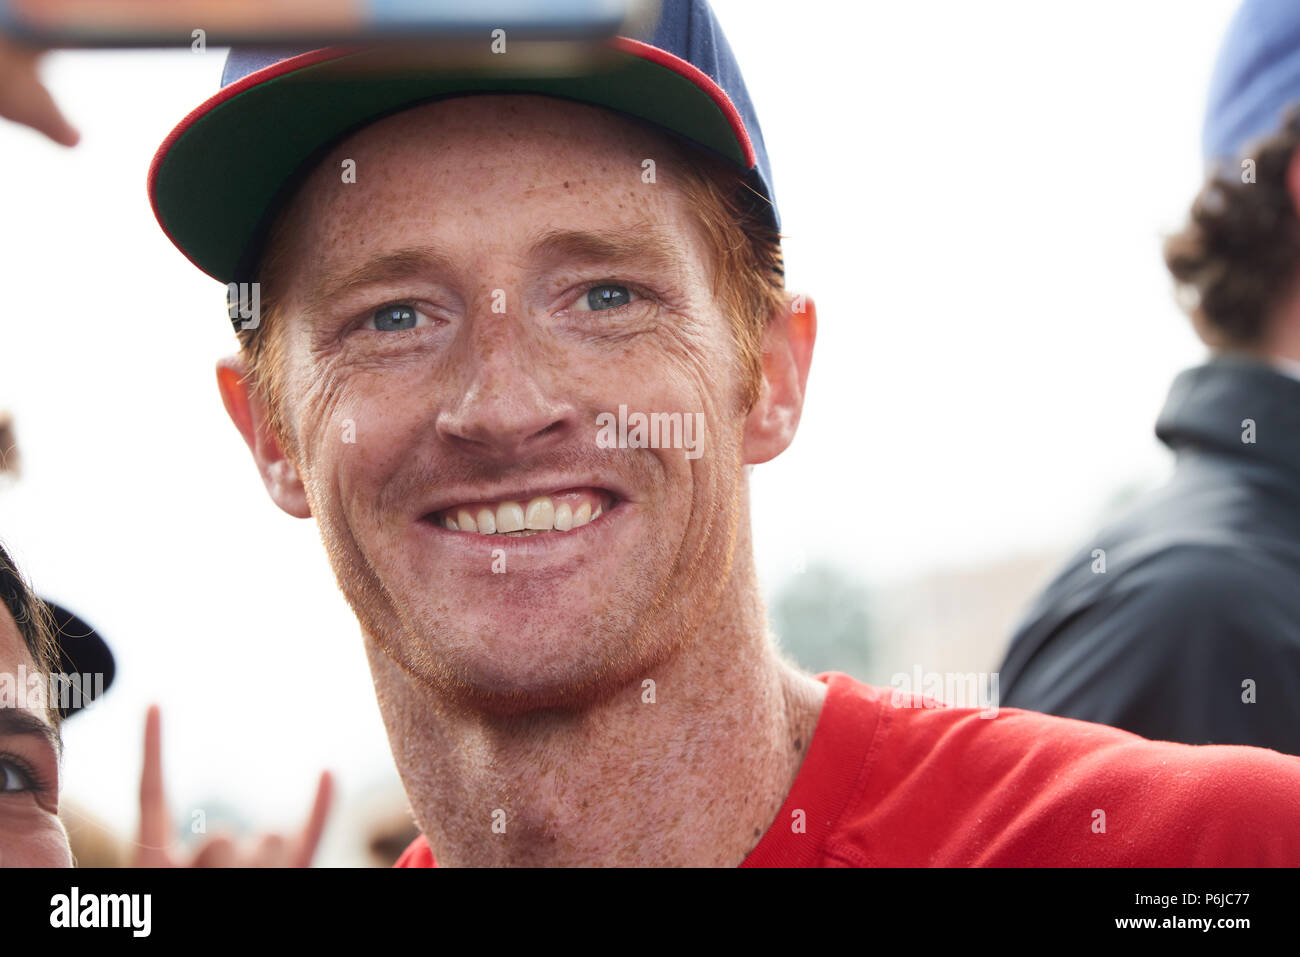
(1280,343)
(688,772)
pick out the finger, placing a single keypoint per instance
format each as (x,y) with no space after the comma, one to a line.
(35,107)
(24,99)
(44,116)
(310,837)
(216,851)
(154,827)
(271,851)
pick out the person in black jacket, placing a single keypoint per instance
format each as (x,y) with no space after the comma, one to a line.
(1181,621)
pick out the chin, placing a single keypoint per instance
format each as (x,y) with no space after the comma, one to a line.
(531,661)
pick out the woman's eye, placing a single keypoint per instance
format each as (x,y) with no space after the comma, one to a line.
(606,296)
(13,778)
(396,318)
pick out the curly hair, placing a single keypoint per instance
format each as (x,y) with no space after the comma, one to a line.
(1237,256)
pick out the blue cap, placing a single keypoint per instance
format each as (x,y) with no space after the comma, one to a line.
(217,178)
(1256,79)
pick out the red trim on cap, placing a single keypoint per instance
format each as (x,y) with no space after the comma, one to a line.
(636,48)
(255,78)
(701,79)
(221,96)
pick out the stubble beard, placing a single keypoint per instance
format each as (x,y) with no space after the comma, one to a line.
(648,621)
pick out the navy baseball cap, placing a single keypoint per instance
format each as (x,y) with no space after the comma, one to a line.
(1256,79)
(219,176)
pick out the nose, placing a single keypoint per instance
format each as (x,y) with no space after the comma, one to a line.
(509,408)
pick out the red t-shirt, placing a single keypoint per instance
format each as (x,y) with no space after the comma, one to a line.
(888,785)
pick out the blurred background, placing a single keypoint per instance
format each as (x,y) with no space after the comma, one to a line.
(974,195)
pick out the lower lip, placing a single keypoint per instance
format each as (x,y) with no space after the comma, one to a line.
(472,543)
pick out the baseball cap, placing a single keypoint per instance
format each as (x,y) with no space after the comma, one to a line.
(1256,79)
(219,176)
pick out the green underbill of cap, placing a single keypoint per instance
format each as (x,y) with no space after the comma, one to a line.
(221,179)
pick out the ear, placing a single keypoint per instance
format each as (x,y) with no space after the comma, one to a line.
(787,355)
(279,474)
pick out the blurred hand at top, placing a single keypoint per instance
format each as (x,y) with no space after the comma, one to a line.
(23,97)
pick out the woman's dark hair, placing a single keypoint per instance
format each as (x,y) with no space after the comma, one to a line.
(33,618)
(1237,256)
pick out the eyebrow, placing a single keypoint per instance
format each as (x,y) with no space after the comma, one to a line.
(642,244)
(15,722)
(397,265)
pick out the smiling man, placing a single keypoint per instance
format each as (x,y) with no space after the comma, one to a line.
(518,582)
(463,278)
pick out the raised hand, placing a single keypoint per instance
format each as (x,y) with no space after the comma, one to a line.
(154,843)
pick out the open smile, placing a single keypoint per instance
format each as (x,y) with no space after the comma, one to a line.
(565,510)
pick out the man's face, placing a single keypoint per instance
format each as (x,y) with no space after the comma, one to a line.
(498,276)
(31,834)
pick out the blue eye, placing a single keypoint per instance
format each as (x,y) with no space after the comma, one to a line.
(395,318)
(608,297)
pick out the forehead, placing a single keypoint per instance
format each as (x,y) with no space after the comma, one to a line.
(13,649)
(483,173)
(15,656)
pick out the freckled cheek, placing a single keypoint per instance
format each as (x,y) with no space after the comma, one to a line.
(692,377)
(332,405)
(696,480)
(710,381)
(320,439)
(367,431)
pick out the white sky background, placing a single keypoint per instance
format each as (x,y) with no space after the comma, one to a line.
(974,194)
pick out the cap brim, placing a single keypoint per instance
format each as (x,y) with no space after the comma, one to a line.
(218,176)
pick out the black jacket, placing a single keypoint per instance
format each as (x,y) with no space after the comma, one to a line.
(1200,593)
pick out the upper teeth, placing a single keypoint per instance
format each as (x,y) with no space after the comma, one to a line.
(541,514)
